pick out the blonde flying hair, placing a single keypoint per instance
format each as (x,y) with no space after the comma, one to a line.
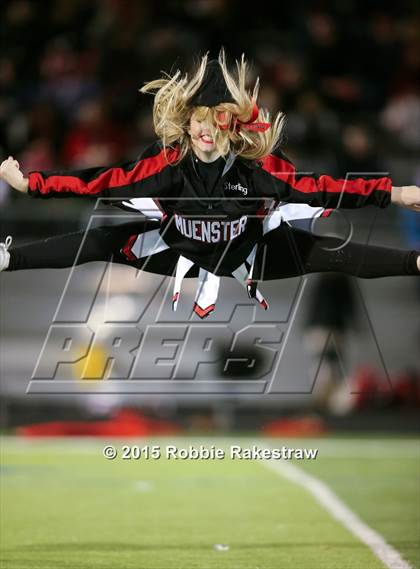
(172,113)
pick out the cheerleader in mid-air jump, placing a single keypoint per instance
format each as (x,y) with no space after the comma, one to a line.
(215,198)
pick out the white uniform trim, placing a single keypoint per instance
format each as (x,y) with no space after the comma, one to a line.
(182,268)
(148,243)
(207,289)
(289,212)
(146,206)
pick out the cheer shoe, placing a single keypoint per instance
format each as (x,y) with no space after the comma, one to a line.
(4,253)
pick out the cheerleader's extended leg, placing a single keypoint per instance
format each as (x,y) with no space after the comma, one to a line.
(290,252)
(98,244)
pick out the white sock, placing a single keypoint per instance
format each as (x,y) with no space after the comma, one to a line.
(4,259)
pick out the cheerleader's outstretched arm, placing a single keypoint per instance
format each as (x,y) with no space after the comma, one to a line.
(354,191)
(145,177)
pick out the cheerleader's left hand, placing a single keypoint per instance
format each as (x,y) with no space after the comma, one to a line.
(406,196)
(11,173)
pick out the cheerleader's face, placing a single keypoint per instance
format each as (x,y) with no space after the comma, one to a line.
(201,139)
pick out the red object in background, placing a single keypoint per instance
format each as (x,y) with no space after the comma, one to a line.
(366,386)
(371,388)
(82,146)
(406,389)
(125,423)
(38,155)
(95,138)
(295,427)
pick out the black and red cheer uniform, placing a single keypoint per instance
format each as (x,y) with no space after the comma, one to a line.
(227,218)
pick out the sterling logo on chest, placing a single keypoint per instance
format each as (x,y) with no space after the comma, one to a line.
(238,187)
(210,231)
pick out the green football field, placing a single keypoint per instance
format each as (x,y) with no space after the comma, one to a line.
(63,505)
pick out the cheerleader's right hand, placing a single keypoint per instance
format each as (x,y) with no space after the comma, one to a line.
(406,196)
(10,172)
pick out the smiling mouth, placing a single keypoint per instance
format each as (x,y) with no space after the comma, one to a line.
(206,139)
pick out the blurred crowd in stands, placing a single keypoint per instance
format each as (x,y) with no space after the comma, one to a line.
(346,74)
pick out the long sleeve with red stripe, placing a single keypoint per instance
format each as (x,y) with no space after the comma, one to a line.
(325,191)
(146,177)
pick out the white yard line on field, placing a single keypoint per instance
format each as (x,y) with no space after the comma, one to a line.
(338,510)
